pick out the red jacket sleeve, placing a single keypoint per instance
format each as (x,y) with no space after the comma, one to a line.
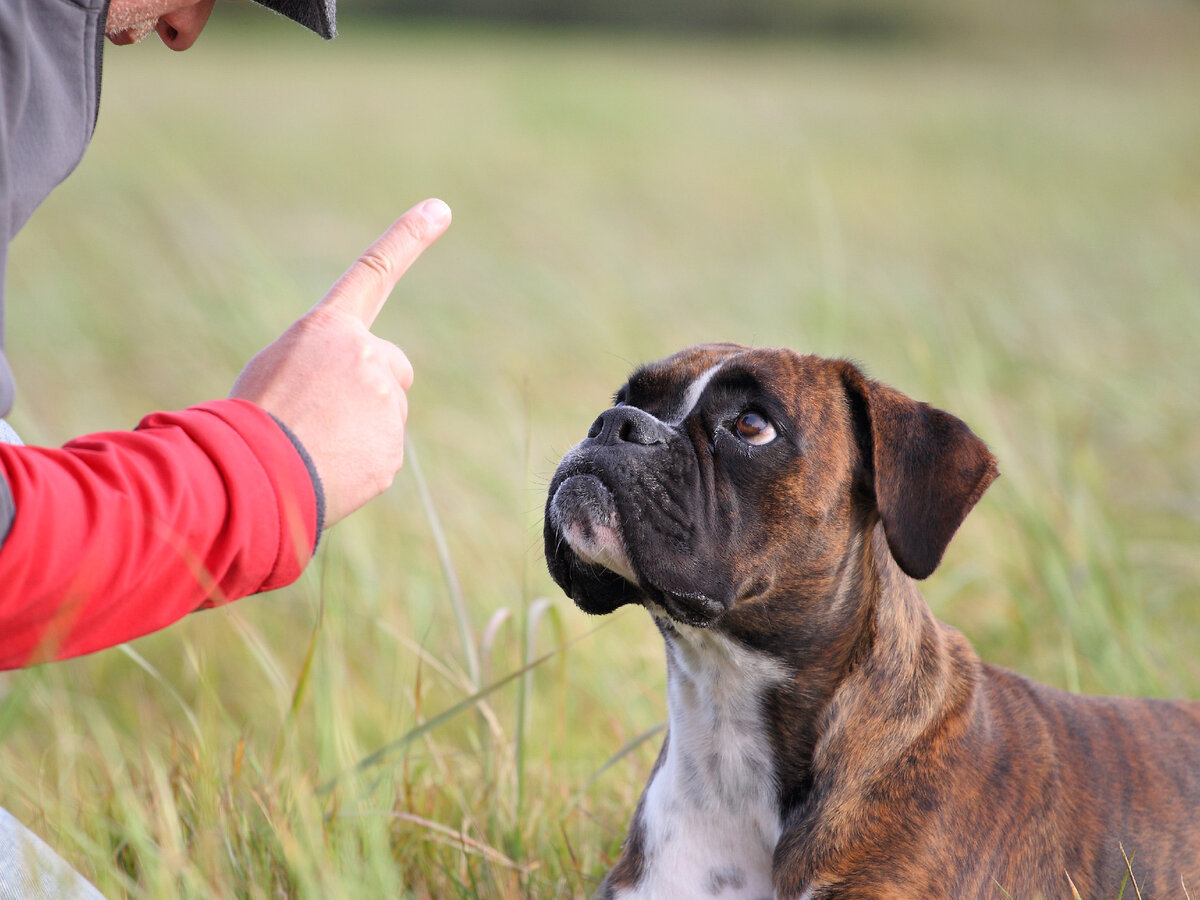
(119,534)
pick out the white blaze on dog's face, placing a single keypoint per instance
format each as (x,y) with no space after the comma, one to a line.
(692,395)
(594,531)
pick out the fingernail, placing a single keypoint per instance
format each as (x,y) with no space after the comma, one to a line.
(435,212)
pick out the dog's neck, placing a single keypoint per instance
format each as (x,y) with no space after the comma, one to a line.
(715,691)
(710,818)
(753,724)
(865,729)
(729,683)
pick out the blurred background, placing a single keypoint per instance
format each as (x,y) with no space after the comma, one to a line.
(994,207)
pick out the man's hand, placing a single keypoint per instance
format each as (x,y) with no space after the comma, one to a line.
(339,388)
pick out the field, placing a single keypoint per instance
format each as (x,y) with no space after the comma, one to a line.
(1006,226)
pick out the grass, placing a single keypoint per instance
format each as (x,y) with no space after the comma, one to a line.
(1005,228)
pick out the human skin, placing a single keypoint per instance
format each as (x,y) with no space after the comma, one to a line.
(178,22)
(340,389)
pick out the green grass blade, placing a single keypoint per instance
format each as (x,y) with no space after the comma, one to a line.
(437,721)
(457,600)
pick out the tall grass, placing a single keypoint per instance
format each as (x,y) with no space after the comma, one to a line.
(1009,230)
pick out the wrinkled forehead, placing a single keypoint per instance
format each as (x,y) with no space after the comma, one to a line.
(670,387)
(660,383)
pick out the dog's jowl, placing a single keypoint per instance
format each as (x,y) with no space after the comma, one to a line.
(827,737)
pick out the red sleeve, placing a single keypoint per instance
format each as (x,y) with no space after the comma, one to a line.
(117,535)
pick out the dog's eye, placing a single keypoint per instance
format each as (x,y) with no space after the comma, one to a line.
(754,429)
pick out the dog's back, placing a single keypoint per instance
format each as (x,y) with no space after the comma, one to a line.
(1098,779)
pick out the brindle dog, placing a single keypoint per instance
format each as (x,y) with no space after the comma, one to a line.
(828,738)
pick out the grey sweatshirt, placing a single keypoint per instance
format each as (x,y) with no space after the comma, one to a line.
(50,57)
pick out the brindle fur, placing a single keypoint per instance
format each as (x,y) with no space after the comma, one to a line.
(905,767)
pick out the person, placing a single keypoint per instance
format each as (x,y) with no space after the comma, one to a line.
(115,535)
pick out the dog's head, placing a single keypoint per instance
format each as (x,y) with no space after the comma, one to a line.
(724,474)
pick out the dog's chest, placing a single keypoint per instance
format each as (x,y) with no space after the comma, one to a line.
(710,818)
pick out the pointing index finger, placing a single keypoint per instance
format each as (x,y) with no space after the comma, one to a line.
(366,285)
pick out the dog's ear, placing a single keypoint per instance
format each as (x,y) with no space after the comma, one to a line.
(925,468)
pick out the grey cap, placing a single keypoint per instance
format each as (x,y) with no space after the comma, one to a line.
(318,15)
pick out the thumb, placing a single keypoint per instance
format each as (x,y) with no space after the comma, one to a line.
(366,285)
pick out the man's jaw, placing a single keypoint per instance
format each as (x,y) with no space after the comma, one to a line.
(130,21)
(133,34)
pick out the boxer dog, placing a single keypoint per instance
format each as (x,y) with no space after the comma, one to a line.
(827,737)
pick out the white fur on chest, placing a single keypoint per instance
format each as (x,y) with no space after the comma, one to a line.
(711,815)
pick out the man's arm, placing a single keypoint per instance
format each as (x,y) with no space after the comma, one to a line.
(117,535)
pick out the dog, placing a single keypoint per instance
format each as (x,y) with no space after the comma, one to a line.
(828,737)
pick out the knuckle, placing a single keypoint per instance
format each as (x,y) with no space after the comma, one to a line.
(400,364)
(385,479)
(413,227)
(320,319)
(404,368)
(378,263)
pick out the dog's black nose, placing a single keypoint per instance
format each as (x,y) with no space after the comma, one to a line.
(630,425)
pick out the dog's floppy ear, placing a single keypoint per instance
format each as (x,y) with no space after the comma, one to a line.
(927,469)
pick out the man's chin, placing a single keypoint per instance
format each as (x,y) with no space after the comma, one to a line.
(131,35)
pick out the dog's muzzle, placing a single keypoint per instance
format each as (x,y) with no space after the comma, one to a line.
(625,522)
(585,514)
